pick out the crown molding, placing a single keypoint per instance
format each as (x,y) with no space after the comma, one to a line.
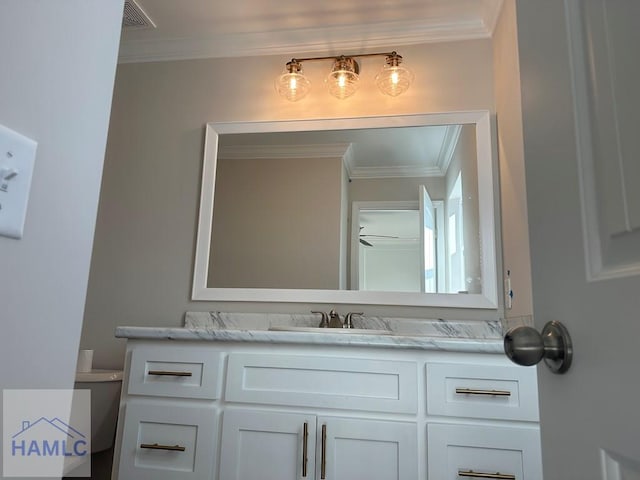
(449,144)
(308,41)
(447,149)
(396,171)
(492,10)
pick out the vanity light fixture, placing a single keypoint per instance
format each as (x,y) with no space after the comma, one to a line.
(342,81)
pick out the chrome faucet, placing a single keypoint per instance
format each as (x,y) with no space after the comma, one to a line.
(334,320)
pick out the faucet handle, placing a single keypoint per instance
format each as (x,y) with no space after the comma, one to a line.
(348,323)
(324,322)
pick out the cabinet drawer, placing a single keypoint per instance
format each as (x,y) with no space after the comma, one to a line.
(482,391)
(165,442)
(326,382)
(464,452)
(185,372)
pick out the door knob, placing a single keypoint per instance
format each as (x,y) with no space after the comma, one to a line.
(525,346)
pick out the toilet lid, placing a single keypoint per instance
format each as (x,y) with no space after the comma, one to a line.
(98,375)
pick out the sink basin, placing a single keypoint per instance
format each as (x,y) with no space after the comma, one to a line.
(361,331)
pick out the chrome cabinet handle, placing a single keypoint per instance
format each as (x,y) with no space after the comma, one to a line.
(305,435)
(169,373)
(525,346)
(473,391)
(323,464)
(497,476)
(155,446)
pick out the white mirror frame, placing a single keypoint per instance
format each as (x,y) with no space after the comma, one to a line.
(487,188)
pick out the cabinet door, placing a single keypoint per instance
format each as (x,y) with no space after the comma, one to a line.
(262,444)
(349,449)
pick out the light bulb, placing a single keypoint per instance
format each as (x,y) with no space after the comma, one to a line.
(342,82)
(292,84)
(394,79)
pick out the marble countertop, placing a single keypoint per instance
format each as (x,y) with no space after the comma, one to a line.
(423,342)
(440,335)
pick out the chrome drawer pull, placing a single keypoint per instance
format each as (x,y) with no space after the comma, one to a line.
(169,373)
(155,446)
(305,437)
(498,475)
(472,391)
(323,464)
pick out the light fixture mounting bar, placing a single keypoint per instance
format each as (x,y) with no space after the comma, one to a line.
(334,57)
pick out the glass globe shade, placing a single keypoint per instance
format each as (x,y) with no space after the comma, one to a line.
(394,79)
(293,85)
(342,82)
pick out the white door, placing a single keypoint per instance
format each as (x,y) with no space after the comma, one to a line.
(583,178)
(428,267)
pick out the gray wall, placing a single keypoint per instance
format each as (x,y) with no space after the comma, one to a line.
(141,272)
(464,162)
(58,67)
(277,223)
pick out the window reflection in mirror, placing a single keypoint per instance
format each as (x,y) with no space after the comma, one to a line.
(385,209)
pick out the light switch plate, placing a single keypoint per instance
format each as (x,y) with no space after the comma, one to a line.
(17,157)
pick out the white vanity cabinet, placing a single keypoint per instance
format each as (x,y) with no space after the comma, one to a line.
(233,410)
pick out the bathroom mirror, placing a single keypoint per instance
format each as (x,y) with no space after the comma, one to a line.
(394,210)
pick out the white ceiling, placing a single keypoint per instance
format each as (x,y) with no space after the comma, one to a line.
(215,28)
(370,153)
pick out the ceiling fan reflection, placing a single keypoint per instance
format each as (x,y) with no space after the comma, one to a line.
(369,244)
